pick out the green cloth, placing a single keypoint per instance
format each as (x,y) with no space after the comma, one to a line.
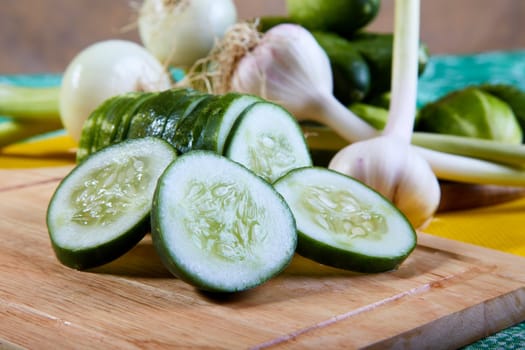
(510,338)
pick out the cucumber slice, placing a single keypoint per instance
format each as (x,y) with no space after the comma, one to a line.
(101,209)
(121,133)
(150,118)
(218,226)
(222,114)
(185,105)
(344,223)
(268,140)
(89,130)
(108,126)
(189,128)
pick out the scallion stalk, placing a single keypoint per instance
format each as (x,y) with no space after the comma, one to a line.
(36,104)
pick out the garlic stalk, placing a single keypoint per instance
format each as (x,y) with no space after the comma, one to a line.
(289,62)
(387,162)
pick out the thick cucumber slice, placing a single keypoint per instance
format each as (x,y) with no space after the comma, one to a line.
(89,130)
(189,128)
(268,140)
(218,226)
(101,209)
(185,105)
(121,133)
(343,223)
(108,125)
(222,114)
(150,117)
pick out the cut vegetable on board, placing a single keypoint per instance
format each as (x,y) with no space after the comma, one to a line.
(343,223)
(101,209)
(218,226)
(259,134)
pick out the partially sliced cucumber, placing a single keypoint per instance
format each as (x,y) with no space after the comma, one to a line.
(89,129)
(185,106)
(268,140)
(343,223)
(101,209)
(218,226)
(189,128)
(222,115)
(109,124)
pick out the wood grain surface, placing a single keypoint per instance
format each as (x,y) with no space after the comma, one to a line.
(445,295)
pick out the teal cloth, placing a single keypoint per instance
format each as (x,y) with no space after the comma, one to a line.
(446,73)
(36,80)
(442,75)
(512,338)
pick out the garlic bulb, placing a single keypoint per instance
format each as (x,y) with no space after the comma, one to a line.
(397,171)
(287,66)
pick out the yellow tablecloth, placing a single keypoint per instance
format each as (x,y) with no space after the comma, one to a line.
(500,227)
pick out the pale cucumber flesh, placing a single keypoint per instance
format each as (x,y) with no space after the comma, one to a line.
(218,226)
(101,208)
(268,140)
(344,223)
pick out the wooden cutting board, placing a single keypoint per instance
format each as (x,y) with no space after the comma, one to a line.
(446,294)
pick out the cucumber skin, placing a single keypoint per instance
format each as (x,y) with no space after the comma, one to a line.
(189,128)
(209,138)
(103,254)
(110,124)
(344,259)
(350,72)
(186,105)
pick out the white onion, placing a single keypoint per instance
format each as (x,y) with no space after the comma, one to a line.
(103,70)
(179,32)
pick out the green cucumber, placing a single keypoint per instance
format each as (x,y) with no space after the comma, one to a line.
(109,124)
(185,106)
(350,72)
(89,131)
(222,115)
(343,223)
(101,209)
(121,133)
(218,226)
(150,117)
(268,140)
(189,128)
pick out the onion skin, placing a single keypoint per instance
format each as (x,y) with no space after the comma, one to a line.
(178,33)
(103,70)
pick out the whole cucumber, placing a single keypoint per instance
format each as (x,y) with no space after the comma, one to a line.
(350,71)
(343,17)
(377,50)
